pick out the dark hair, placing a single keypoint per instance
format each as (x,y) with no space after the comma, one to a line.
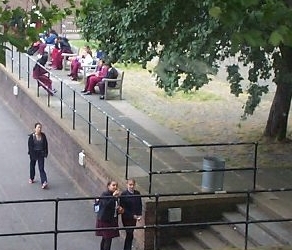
(131,179)
(110,182)
(108,64)
(53,32)
(36,124)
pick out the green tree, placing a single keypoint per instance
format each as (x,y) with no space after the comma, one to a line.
(192,38)
(15,23)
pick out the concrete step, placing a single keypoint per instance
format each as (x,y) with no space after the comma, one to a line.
(209,239)
(231,235)
(256,234)
(277,203)
(189,243)
(277,229)
(171,247)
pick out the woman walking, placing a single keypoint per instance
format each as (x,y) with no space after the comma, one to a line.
(38,151)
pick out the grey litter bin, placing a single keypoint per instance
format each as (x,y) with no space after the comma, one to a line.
(213,180)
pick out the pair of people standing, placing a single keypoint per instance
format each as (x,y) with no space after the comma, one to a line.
(38,151)
(112,202)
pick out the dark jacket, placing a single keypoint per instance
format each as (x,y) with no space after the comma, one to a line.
(31,150)
(132,204)
(65,45)
(37,69)
(112,74)
(107,207)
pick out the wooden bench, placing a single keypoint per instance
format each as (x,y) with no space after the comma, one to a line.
(118,87)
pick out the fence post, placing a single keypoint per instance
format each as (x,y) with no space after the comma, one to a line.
(56,224)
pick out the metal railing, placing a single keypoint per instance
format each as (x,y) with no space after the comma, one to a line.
(84,113)
(157,227)
(21,65)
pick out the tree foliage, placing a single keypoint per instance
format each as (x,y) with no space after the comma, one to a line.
(15,28)
(193,38)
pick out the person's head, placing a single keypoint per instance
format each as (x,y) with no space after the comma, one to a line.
(38,128)
(131,184)
(53,32)
(100,62)
(112,186)
(108,64)
(88,50)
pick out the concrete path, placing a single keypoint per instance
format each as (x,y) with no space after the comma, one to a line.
(31,217)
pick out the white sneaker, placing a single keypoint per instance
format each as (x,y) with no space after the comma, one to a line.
(45,184)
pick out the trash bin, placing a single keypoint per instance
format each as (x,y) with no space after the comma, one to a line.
(212,181)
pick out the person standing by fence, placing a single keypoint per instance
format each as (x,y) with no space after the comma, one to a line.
(132,205)
(38,151)
(107,216)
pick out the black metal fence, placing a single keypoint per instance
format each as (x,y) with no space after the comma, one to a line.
(57,229)
(81,111)
(82,114)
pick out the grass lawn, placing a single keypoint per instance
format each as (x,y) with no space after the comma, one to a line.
(82,43)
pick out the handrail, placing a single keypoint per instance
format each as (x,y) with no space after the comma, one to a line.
(24,68)
(157,225)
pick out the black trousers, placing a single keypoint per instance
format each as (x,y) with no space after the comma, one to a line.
(105,244)
(129,239)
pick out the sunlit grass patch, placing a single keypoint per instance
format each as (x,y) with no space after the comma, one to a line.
(197,96)
(82,43)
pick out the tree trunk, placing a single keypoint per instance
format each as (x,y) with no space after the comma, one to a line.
(278,118)
(277,123)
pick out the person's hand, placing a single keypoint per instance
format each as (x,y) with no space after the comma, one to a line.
(116,193)
(137,217)
(120,210)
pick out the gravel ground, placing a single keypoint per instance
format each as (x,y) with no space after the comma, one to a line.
(217,118)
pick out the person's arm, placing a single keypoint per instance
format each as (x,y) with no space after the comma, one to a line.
(139,206)
(106,202)
(87,60)
(46,147)
(103,72)
(30,144)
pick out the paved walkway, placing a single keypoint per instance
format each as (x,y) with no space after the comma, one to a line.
(30,217)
